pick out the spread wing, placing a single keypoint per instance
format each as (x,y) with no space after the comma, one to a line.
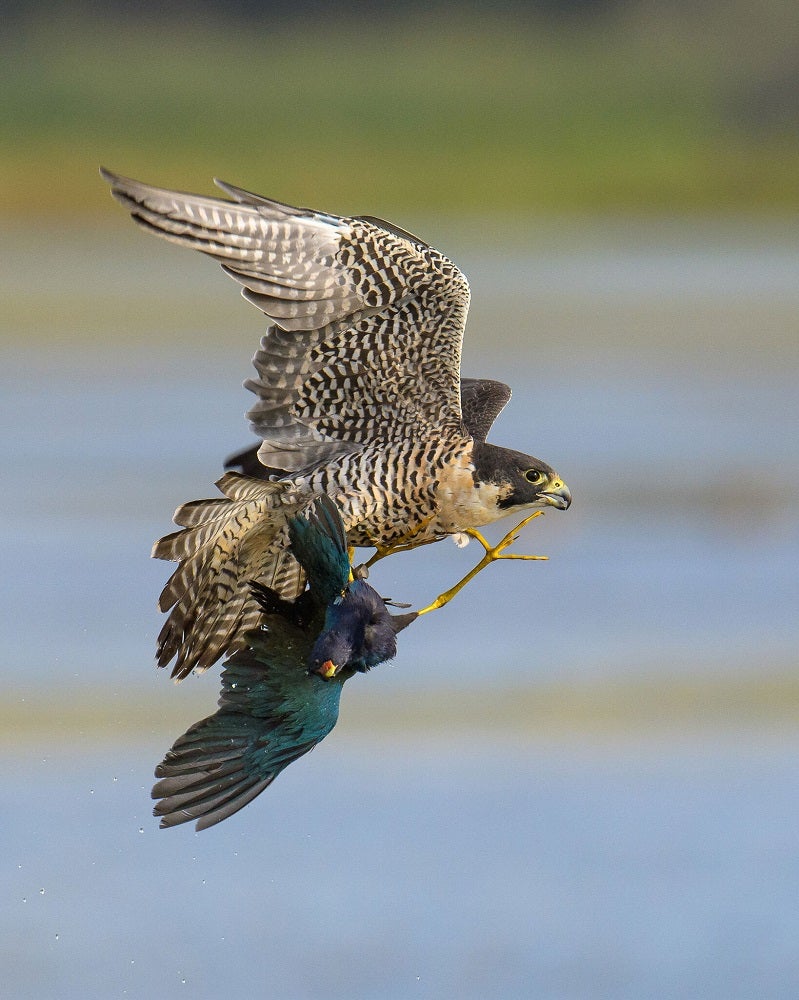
(270,714)
(367,320)
(482,401)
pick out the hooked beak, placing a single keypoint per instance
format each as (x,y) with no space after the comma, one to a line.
(559,496)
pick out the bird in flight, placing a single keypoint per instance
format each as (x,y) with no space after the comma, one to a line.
(359,397)
(280,694)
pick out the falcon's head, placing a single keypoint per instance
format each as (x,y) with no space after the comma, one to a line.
(523,481)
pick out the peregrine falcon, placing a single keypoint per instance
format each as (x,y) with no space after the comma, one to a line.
(358,397)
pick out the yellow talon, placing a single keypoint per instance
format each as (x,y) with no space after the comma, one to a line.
(492,554)
(403,544)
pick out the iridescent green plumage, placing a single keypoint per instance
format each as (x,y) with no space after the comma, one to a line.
(280,695)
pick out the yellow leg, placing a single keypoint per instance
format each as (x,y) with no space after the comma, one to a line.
(492,554)
(404,544)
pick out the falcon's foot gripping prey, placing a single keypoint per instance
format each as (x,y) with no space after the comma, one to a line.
(359,397)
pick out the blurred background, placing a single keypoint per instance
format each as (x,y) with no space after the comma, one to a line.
(579,779)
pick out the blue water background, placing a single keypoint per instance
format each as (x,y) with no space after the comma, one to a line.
(656,368)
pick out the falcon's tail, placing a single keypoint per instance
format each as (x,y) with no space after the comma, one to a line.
(224,544)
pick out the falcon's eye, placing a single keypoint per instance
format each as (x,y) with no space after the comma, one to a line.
(533,476)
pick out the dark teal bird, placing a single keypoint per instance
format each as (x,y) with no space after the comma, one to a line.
(280,695)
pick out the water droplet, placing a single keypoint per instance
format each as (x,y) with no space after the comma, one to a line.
(56,937)
(24,899)
(141,829)
(116,779)
(41,892)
